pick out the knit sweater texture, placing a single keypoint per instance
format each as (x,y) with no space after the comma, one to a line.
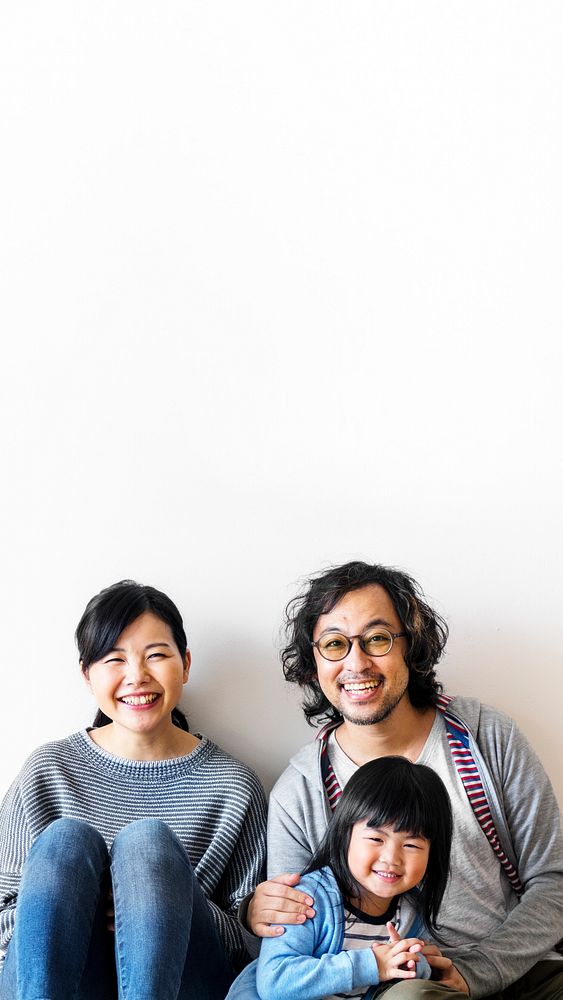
(213,803)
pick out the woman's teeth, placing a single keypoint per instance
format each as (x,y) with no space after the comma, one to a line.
(139,699)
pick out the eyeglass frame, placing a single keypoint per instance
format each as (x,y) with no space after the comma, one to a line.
(359,637)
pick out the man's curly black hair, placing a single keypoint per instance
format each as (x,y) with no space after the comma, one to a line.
(427,632)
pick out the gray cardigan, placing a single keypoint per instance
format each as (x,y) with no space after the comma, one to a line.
(526,817)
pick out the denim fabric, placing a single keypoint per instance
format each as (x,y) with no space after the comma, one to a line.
(165,945)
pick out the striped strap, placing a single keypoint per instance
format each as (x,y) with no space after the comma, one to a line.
(330,781)
(458,739)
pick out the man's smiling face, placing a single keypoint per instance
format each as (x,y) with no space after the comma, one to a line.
(364,689)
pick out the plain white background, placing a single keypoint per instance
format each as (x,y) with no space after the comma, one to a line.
(281,286)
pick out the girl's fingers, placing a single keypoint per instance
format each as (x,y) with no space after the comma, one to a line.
(408,944)
(393,935)
(405,958)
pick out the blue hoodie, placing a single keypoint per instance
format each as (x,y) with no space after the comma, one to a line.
(307,961)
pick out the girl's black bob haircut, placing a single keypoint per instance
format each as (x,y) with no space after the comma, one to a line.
(110,612)
(391,791)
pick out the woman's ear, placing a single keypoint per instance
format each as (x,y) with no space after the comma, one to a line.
(86,677)
(187,665)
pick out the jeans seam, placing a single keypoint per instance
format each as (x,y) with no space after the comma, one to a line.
(119,958)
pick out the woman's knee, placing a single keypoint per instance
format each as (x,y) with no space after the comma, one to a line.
(67,837)
(65,850)
(148,860)
(149,839)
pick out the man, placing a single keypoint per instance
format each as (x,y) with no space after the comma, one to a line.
(364,644)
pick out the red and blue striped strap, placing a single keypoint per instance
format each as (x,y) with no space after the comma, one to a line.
(458,739)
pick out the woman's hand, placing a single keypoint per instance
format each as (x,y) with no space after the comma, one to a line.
(397,960)
(276,902)
(444,970)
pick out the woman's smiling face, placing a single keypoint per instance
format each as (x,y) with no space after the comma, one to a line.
(139,682)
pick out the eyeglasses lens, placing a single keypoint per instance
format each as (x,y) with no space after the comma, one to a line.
(334,646)
(377,642)
(374,642)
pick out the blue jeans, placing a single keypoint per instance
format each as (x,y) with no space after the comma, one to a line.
(165,946)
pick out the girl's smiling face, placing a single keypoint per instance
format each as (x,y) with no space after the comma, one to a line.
(138,682)
(385,863)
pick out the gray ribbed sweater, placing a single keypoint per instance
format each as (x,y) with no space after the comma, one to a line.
(214,804)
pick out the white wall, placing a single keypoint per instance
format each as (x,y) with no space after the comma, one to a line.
(281,287)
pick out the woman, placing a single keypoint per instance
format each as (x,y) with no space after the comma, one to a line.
(126,848)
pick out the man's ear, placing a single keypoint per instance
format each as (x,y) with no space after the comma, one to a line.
(187,665)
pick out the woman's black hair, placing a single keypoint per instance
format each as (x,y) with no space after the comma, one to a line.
(426,630)
(391,791)
(110,612)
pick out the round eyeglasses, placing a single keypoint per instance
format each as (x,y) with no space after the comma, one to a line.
(374,641)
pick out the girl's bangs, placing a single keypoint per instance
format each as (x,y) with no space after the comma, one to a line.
(407,817)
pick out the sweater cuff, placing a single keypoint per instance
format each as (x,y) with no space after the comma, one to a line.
(481,975)
(364,967)
(251,942)
(423,970)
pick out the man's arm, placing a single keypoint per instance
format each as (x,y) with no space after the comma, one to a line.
(296,824)
(536,923)
(276,902)
(297,819)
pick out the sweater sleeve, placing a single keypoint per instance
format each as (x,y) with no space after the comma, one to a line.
(288,850)
(15,842)
(535,924)
(297,822)
(302,964)
(305,978)
(246,867)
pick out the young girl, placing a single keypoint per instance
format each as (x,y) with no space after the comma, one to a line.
(377,882)
(126,848)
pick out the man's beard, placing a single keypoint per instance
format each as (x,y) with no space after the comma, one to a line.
(383,711)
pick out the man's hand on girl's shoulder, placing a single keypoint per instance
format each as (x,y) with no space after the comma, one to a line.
(275,903)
